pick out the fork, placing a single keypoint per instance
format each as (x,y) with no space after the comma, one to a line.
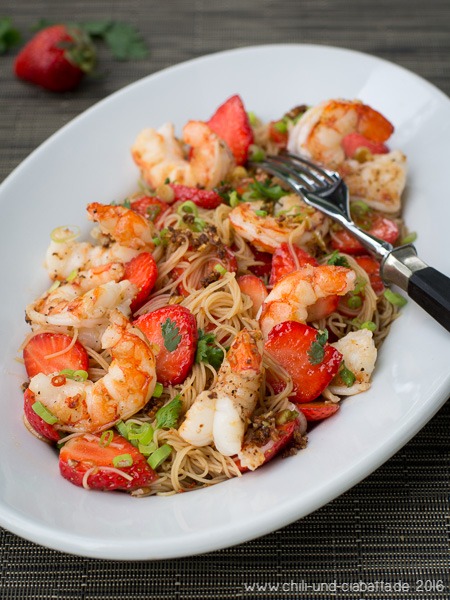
(325,190)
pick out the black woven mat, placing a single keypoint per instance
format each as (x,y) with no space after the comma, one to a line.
(389,537)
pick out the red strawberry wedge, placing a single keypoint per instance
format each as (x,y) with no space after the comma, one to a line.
(56,58)
(283,262)
(173,332)
(81,454)
(202,198)
(252,286)
(295,347)
(317,411)
(150,207)
(231,123)
(35,421)
(353,141)
(381,227)
(143,272)
(37,354)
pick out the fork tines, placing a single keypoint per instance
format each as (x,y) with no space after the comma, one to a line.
(304,173)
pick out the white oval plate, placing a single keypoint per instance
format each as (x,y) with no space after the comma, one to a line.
(89,160)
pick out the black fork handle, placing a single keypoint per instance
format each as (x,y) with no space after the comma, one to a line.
(431,290)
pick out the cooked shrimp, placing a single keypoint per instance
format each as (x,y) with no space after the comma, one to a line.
(125,389)
(379,181)
(359,355)
(64,258)
(294,293)
(293,220)
(318,134)
(160,156)
(68,306)
(220,415)
(123,225)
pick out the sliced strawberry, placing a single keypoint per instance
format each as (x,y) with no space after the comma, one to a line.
(150,207)
(231,123)
(323,307)
(266,259)
(173,331)
(316,411)
(278,133)
(381,227)
(283,262)
(202,198)
(255,289)
(290,344)
(372,268)
(45,344)
(352,141)
(143,272)
(36,422)
(82,453)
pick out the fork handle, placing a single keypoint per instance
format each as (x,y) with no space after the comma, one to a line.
(425,285)
(431,290)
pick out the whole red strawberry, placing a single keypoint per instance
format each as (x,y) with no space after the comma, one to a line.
(56,58)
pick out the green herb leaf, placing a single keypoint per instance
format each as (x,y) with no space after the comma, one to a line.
(124,41)
(316,352)
(337,260)
(167,416)
(171,334)
(266,190)
(9,35)
(207,351)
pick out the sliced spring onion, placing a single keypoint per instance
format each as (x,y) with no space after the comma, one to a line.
(72,275)
(65,233)
(410,238)
(285,416)
(147,449)
(158,390)
(354,302)
(347,376)
(106,438)
(122,460)
(157,241)
(370,325)
(159,456)
(78,375)
(220,269)
(122,428)
(142,433)
(252,118)
(394,298)
(188,207)
(234,199)
(261,213)
(53,287)
(281,126)
(256,153)
(45,414)
(359,207)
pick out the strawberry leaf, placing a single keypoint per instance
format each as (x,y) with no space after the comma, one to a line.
(124,41)
(9,36)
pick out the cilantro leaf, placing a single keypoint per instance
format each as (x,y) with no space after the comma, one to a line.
(9,36)
(207,351)
(167,416)
(337,260)
(316,353)
(266,190)
(170,333)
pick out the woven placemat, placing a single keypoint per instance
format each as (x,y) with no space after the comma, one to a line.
(389,537)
